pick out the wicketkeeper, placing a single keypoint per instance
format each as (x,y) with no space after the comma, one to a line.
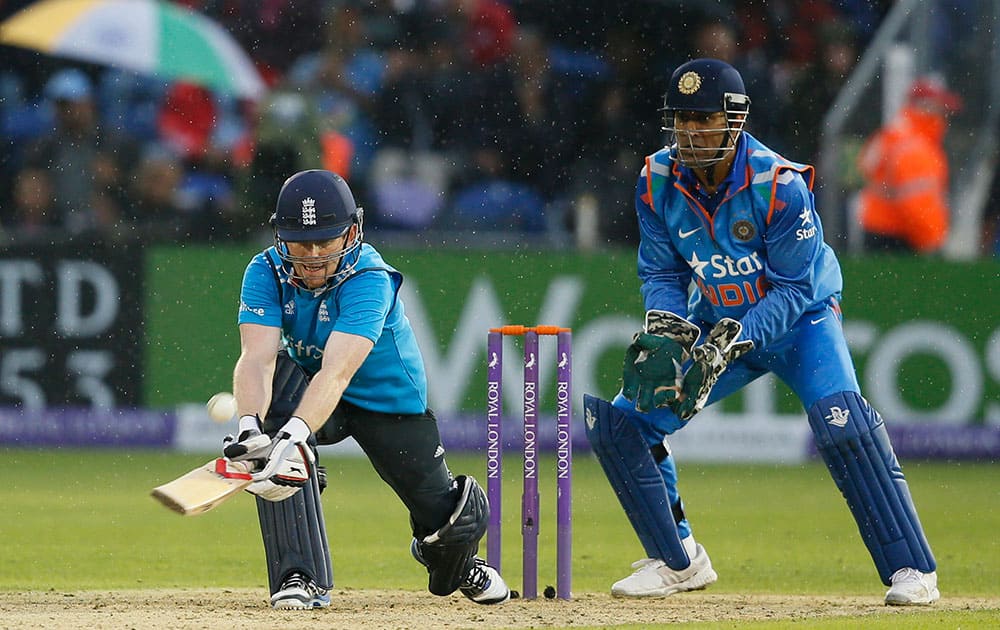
(721,213)
(327,353)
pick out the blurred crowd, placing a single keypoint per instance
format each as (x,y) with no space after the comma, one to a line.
(472,115)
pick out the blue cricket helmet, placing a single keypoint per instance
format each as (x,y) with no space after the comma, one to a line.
(314,205)
(705,85)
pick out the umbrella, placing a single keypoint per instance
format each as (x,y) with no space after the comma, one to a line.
(145,36)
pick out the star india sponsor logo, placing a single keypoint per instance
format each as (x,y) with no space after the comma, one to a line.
(804,232)
(308,211)
(726,266)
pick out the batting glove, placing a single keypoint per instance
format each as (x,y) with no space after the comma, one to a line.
(288,464)
(251,445)
(710,360)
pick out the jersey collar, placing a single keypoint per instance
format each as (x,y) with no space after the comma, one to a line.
(734,180)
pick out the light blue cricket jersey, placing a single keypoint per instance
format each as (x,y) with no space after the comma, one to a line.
(760,258)
(392,378)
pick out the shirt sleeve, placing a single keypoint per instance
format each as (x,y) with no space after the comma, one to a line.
(259,300)
(794,243)
(365,302)
(665,275)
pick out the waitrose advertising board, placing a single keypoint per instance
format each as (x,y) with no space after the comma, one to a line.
(118,346)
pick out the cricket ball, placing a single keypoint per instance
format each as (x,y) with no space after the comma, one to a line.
(221,407)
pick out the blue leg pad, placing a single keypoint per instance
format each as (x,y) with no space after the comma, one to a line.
(668,470)
(852,440)
(636,480)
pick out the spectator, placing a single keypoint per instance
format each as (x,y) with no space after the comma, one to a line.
(719,39)
(154,212)
(83,162)
(545,138)
(286,142)
(488,29)
(425,116)
(187,118)
(991,217)
(419,100)
(343,80)
(629,94)
(32,214)
(815,87)
(273,32)
(904,202)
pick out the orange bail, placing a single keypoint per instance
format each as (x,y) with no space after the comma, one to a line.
(520,330)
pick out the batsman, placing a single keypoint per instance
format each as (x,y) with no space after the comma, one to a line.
(732,253)
(326,352)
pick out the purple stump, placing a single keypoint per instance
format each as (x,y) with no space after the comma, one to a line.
(564,465)
(529,499)
(494,445)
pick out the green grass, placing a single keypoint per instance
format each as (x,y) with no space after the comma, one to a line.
(80,520)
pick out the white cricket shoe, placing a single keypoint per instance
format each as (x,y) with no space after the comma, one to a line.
(653,578)
(484,585)
(299,592)
(912,588)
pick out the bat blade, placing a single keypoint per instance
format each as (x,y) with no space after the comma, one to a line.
(205,487)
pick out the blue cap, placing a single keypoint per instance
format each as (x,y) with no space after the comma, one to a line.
(69,85)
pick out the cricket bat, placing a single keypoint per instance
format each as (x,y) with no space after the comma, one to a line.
(205,487)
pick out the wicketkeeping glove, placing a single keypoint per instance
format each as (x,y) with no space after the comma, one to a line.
(288,464)
(651,371)
(710,360)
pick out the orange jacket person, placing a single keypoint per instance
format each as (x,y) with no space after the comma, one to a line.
(904,204)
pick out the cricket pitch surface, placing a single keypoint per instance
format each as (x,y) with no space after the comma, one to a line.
(233,608)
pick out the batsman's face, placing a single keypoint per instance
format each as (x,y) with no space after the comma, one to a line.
(315,261)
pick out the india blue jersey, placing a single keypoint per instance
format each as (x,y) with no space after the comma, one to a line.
(392,378)
(759,257)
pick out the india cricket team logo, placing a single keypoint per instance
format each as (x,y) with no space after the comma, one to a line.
(689,83)
(308,211)
(743,230)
